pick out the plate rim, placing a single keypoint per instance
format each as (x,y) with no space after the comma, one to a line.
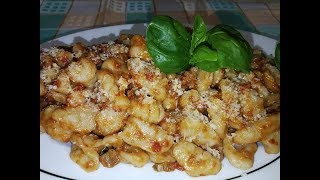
(146,24)
(235,177)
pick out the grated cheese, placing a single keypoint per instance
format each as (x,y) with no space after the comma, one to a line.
(51,51)
(94,48)
(157,71)
(136,64)
(176,139)
(77,54)
(214,152)
(170,120)
(177,86)
(74,66)
(48,74)
(122,83)
(52,87)
(204,101)
(194,114)
(231,135)
(117,49)
(88,94)
(190,139)
(260,116)
(110,43)
(103,56)
(213,126)
(144,93)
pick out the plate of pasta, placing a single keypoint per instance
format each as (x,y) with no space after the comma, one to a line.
(107,111)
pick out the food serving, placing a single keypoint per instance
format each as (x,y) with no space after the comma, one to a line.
(181,99)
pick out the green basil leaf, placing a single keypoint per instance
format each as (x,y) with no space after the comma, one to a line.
(233,50)
(199,33)
(168,43)
(209,66)
(205,58)
(203,53)
(277,56)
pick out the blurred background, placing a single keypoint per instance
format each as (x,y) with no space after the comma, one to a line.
(62,17)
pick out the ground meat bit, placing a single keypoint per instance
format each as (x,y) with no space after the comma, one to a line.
(156,147)
(188,80)
(103,149)
(231,130)
(129,92)
(63,58)
(110,158)
(45,61)
(95,58)
(258,62)
(123,56)
(79,87)
(167,167)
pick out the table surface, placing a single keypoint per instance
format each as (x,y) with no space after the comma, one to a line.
(62,17)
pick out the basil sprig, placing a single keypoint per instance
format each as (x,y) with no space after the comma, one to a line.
(168,43)
(199,33)
(173,49)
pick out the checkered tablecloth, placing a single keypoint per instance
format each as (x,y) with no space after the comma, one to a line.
(62,17)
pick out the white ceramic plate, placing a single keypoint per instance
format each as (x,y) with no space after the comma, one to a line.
(54,156)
